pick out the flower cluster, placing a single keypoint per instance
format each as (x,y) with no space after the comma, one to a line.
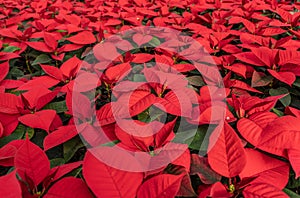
(158,98)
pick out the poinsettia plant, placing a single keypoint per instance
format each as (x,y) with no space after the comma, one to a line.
(136,98)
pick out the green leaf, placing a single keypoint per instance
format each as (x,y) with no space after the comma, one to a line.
(16,135)
(11,49)
(30,132)
(196,81)
(139,78)
(38,137)
(71,146)
(151,114)
(194,138)
(277,112)
(144,117)
(295,92)
(16,92)
(290,193)
(41,59)
(297,82)
(5,44)
(154,42)
(76,172)
(111,144)
(185,137)
(293,182)
(199,139)
(59,107)
(156,114)
(57,162)
(61,31)
(279,91)
(15,73)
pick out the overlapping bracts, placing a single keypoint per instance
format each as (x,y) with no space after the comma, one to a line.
(48,46)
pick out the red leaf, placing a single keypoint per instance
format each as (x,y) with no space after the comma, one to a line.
(32,162)
(134,137)
(9,123)
(9,103)
(247,24)
(68,48)
(70,67)
(106,51)
(183,67)
(40,46)
(6,32)
(142,58)
(240,85)
(106,115)
(268,169)
(184,160)
(252,127)
(8,152)
(237,68)
(79,100)
(164,78)
(45,81)
(63,170)
(266,55)
(4,68)
(59,136)
(83,85)
(53,72)
(294,157)
(117,72)
(4,56)
(31,97)
(286,77)
(137,102)
(283,133)
(186,189)
(248,105)
(249,57)
(82,38)
(288,56)
(165,134)
(56,123)
(11,84)
(41,119)
(272,31)
(9,186)
(175,104)
(50,40)
(208,113)
(106,181)
(164,185)
(259,79)
(227,156)
(113,22)
(45,99)
(292,111)
(200,166)
(217,190)
(97,135)
(263,191)
(141,39)
(69,187)
(141,136)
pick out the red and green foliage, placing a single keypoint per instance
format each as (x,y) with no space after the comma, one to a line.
(43,145)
